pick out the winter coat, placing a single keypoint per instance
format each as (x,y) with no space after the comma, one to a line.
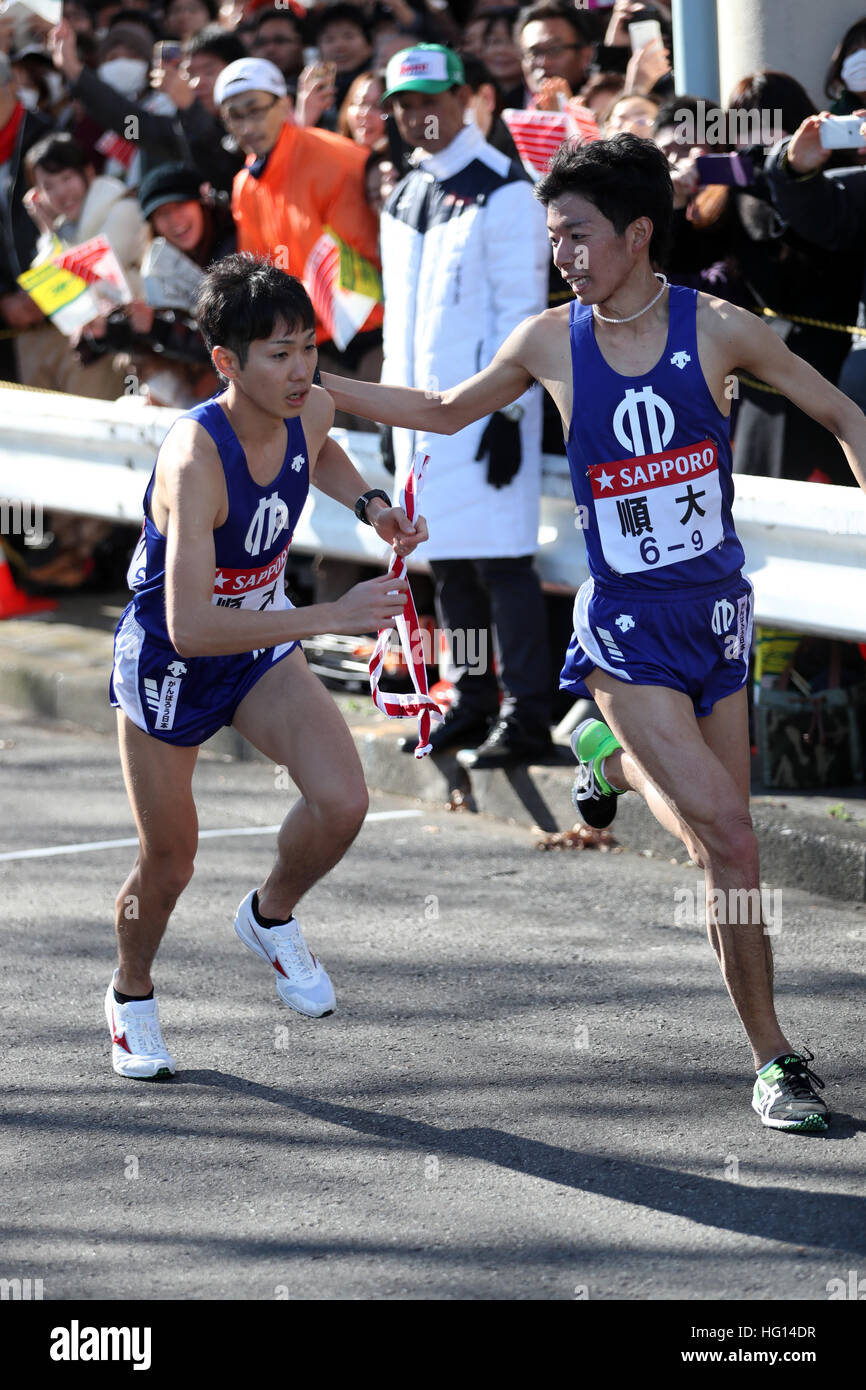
(191,136)
(464,261)
(828,210)
(18,233)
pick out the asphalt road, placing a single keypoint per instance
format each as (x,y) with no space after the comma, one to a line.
(534,1086)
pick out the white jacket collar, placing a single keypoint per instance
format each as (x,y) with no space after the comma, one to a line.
(465,147)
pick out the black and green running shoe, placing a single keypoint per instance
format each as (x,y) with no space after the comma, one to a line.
(785,1098)
(594,797)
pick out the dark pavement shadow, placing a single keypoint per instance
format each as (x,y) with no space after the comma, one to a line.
(820,1219)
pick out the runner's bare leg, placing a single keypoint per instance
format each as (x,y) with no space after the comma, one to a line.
(158,779)
(290,717)
(694,775)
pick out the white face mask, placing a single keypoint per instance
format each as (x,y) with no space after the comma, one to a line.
(29,98)
(126,75)
(854,71)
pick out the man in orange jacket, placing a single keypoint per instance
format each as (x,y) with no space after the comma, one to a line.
(300,202)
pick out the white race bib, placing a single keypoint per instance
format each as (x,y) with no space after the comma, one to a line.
(658,509)
(257,588)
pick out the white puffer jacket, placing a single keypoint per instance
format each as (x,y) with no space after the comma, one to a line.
(464,257)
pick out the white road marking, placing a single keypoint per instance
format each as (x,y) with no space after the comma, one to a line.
(202,834)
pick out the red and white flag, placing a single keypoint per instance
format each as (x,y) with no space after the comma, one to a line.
(408,628)
(95,263)
(539,134)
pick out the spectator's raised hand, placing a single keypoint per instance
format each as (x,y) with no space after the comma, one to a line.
(805,152)
(34,203)
(316,93)
(231,14)
(686,181)
(63,42)
(616,35)
(645,68)
(554,95)
(173,80)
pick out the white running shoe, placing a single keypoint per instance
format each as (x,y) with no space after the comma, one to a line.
(302,984)
(137,1045)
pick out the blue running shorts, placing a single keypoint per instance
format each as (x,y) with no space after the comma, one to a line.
(697,642)
(181,699)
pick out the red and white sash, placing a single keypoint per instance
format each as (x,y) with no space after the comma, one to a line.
(399,706)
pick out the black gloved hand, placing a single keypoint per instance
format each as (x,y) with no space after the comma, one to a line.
(386,448)
(501,443)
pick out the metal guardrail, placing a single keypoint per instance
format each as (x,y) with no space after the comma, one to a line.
(805,544)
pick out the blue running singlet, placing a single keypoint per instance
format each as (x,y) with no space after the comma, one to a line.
(650,460)
(184,700)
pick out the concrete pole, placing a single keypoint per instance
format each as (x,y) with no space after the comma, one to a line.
(696,48)
(793,36)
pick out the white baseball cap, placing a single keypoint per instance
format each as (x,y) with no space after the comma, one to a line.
(248,75)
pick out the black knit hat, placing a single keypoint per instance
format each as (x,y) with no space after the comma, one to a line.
(168,183)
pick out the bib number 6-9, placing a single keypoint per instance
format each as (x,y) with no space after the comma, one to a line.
(649,551)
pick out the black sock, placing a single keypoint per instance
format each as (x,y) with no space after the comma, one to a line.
(267,921)
(132,998)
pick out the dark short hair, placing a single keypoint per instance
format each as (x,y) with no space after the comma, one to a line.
(625,177)
(477,75)
(132,16)
(242,298)
(286,16)
(343,12)
(216,41)
(549,9)
(54,153)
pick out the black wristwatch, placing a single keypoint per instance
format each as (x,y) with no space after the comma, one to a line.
(361,504)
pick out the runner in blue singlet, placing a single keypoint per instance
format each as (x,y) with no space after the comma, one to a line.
(650,460)
(210,638)
(642,375)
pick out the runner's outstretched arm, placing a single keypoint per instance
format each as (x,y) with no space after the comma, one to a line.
(443,412)
(750,344)
(334,474)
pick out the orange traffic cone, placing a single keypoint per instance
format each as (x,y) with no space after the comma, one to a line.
(14,604)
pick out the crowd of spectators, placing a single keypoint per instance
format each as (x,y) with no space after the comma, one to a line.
(133,122)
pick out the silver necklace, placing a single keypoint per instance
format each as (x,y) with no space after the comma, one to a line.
(658,276)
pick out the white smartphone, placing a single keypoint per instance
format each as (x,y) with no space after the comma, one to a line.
(643,31)
(842,133)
